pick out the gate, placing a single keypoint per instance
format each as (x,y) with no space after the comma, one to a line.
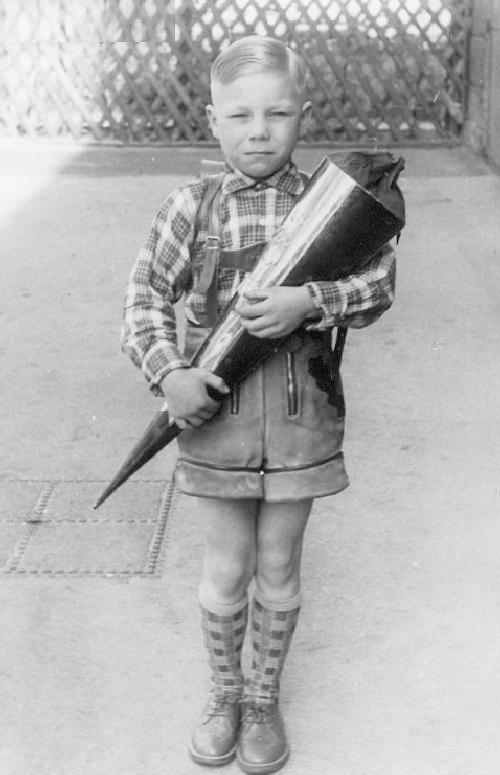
(136,71)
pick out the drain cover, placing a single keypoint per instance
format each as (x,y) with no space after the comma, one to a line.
(50,528)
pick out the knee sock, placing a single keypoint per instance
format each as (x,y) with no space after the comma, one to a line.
(273,624)
(224,631)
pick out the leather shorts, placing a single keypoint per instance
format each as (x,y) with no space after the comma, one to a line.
(278,436)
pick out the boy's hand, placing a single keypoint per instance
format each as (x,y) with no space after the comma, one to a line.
(275,312)
(187,398)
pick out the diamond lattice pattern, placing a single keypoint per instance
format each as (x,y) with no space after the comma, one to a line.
(137,71)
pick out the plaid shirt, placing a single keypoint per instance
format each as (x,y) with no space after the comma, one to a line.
(251,212)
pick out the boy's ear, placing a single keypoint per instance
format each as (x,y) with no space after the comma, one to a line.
(212,120)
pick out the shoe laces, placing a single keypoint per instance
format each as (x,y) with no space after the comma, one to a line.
(256,713)
(218,703)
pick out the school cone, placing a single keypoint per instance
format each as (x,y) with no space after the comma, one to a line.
(160,432)
(346,214)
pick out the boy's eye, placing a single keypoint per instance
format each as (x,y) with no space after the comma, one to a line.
(280,113)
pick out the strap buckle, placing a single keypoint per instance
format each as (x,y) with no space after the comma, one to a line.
(212,243)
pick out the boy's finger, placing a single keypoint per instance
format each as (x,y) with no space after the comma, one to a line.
(249,312)
(254,308)
(256,294)
(217,383)
(196,421)
(253,328)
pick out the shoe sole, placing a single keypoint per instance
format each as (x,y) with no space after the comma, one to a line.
(262,769)
(212,761)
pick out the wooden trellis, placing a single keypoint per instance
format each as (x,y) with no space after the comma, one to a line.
(137,70)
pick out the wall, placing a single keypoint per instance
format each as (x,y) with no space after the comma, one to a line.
(482,129)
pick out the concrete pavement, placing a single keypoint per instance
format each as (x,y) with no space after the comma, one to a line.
(394,667)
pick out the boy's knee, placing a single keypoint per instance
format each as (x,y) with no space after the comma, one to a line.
(228,581)
(278,574)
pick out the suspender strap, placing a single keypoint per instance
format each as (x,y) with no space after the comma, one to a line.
(210,167)
(205,279)
(213,173)
(212,254)
(338,350)
(208,216)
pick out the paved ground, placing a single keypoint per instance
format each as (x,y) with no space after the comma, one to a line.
(394,668)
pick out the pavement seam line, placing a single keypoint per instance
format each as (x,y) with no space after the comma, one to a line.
(30,525)
(35,518)
(155,548)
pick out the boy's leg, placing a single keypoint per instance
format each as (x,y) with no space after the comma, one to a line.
(228,528)
(262,744)
(229,532)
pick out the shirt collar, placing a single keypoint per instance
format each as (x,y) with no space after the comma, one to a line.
(287,178)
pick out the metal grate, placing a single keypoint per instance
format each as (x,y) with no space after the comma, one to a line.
(130,71)
(50,528)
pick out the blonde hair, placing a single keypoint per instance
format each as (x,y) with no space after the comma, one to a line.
(257,54)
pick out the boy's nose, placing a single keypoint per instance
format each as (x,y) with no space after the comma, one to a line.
(259,129)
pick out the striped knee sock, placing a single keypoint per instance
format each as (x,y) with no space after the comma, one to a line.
(224,631)
(273,625)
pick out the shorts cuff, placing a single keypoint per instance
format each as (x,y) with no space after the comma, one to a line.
(316,481)
(208,482)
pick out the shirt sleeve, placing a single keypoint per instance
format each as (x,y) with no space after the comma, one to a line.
(160,275)
(358,300)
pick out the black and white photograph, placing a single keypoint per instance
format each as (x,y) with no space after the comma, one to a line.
(250,368)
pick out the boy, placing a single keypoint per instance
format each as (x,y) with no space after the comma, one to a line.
(256,459)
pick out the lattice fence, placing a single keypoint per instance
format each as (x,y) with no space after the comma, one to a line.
(137,70)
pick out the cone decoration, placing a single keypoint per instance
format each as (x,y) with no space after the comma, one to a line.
(346,214)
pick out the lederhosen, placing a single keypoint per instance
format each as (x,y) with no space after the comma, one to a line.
(278,436)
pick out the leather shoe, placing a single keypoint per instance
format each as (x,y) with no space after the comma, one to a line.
(262,745)
(213,740)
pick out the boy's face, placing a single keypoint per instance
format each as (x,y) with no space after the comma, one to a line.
(257,119)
